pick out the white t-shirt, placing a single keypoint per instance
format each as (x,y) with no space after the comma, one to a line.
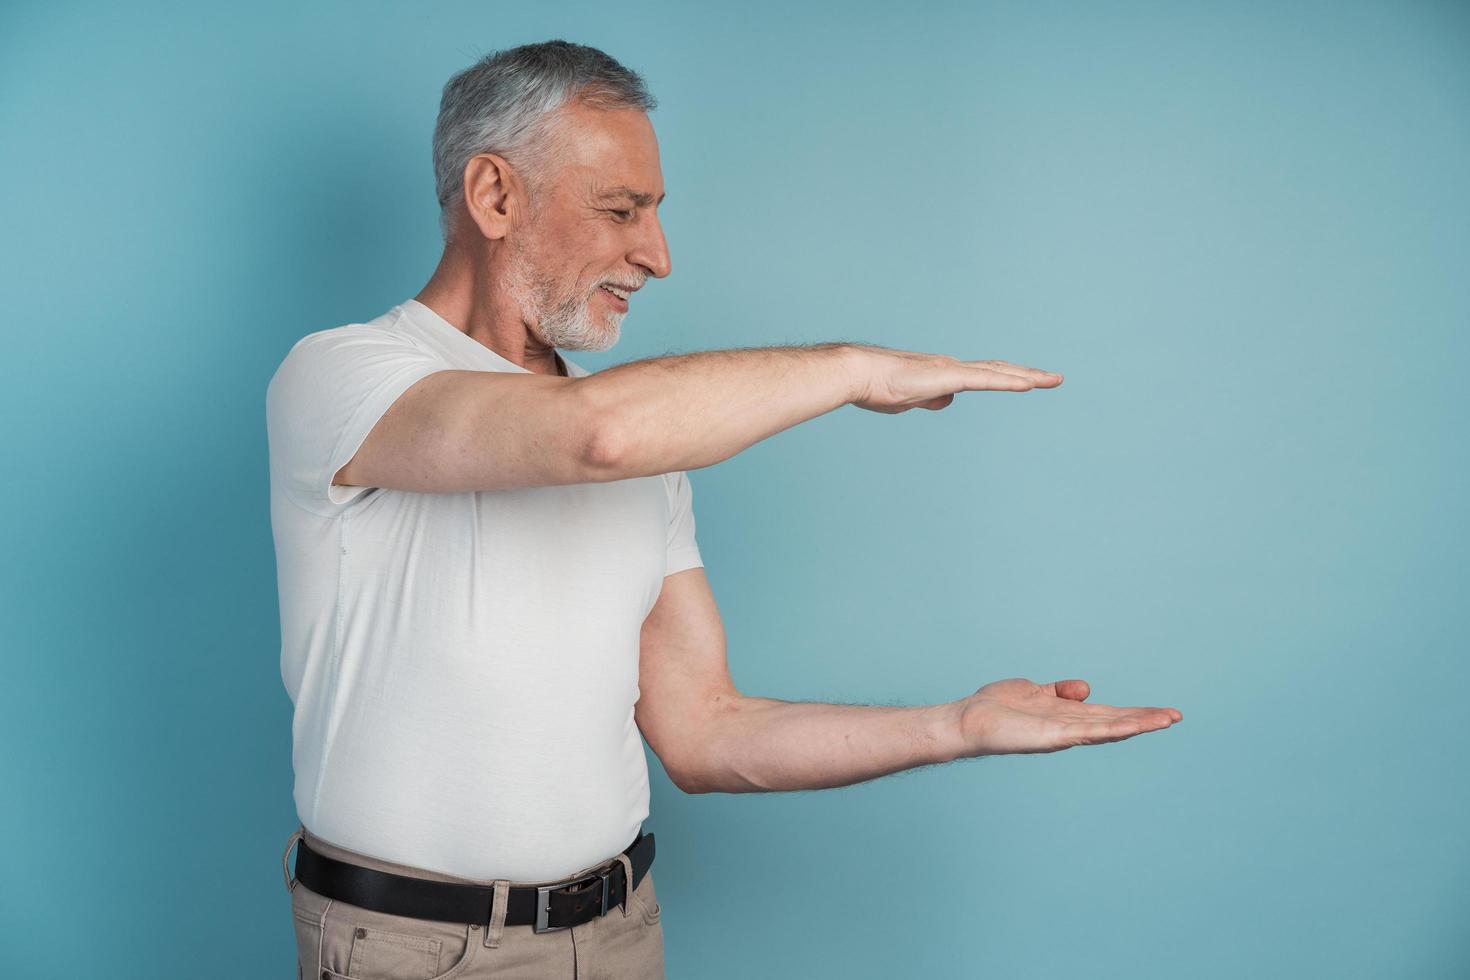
(463,665)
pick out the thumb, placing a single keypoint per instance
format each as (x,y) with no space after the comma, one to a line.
(1072,690)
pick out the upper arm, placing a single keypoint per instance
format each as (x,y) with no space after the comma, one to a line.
(359,406)
(683,674)
(457,430)
(326,394)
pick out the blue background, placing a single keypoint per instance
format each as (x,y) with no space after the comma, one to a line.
(1242,232)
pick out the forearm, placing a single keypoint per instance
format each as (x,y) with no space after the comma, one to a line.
(761,744)
(687,411)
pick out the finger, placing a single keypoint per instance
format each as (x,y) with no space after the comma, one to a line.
(1114,711)
(1173,714)
(1093,733)
(1021,369)
(1101,713)
(1048,379)
(985,379)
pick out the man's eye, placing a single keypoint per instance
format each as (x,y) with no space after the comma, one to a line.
(622,215)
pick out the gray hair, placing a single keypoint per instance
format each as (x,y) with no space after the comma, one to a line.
(506,104)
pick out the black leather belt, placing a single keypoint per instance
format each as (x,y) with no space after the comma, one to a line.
(547,907)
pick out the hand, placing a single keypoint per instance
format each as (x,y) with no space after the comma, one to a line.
(1016,715)
(895,380)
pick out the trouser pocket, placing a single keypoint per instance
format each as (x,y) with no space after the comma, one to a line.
(339,940)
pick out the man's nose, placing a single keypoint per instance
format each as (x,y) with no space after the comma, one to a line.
(652,251)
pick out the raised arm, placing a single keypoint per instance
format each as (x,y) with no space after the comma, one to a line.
(487,430)
(692,410)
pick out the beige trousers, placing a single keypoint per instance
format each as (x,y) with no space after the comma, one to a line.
(338,941)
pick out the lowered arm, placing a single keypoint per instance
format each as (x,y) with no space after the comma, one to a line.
(712,738)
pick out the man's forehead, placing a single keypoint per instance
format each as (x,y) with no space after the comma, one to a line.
(612,152)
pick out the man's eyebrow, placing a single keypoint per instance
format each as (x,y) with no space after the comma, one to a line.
(640,198)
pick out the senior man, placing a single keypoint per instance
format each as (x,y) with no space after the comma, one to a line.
(488,574)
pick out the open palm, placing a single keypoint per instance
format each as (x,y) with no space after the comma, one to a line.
(1016,715)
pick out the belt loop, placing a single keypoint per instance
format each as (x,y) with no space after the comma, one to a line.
(627,864)
(286,857)
(321,938)
(499,905)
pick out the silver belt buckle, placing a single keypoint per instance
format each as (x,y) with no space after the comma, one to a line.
(543,910)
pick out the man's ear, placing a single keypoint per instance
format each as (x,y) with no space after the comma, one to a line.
(490,189)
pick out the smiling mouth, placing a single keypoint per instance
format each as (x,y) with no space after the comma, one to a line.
(621,294)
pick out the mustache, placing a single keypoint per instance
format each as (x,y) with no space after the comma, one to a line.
(622,285)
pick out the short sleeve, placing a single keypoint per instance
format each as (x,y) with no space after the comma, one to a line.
(683,553)
(325,398)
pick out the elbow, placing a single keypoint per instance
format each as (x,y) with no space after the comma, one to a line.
(685,779)
(691,742)
(601,437)
(603,452)
(685,785)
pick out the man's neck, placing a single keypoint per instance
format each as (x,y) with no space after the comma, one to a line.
(486,315)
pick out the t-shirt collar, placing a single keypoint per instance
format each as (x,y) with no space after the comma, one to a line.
(429,320)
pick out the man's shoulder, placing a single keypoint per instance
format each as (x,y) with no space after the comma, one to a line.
(322,349)
(387,329)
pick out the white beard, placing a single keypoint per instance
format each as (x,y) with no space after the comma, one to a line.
(570,325)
